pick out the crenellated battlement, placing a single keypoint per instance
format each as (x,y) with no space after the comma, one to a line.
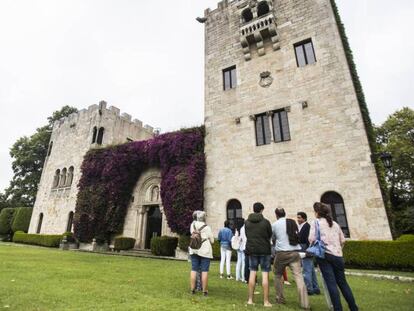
(101,110)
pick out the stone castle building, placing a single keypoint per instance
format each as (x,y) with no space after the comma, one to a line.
(283,127)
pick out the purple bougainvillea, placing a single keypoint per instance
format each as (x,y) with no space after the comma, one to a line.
(109,176)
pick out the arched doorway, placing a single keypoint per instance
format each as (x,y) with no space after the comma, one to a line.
(234,213)
(154,224)
(336,202)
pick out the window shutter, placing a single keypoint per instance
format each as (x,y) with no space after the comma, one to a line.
(285,125)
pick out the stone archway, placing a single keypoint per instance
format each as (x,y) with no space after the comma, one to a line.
(145,216)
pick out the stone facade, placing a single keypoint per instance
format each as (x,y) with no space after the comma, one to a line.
(71,138)
(328,149)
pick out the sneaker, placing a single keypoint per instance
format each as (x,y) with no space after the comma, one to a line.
(221,276)
(205,294)
(229,277)
(287,283)
(193,292)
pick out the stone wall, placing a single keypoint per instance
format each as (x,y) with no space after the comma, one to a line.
(72,138)
(328,150)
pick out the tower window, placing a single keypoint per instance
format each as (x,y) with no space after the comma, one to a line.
(234,213)
(280,125)
(56,179)
(305,54)
(247,15)
(50,148)
(39,223)
(95,132)
(70,222)
(263,134)
(262,8)
(229,78)
(99,140)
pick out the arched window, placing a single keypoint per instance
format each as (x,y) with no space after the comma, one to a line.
(262,8)
(338,210)
(56,179)
(69,178)
(49,151)
(62,182)
(94,133)
(70,222)
(234,213)
(39,223)
(99,140)
(247,15)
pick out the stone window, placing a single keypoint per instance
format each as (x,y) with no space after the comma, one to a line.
(247,15)
(49,151)
(39,223)
(229,78)
(69,178)
(335,201)
(280,125)
(99,140)
(62,182)
(56,179)
(70,222)
(262,8)
(262,127)
(94,133)
(305,54)
(234,213)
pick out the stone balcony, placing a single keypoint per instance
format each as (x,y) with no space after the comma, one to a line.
(256,31)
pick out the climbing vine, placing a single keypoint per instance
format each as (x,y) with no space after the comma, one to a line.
(109,176)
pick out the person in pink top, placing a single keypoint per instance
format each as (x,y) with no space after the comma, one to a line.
(332,266)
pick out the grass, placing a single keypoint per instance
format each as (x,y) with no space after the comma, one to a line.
(48,279)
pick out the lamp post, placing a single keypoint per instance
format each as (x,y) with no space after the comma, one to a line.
(386,159)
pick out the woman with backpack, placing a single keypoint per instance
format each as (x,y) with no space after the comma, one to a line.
(332,264)
(200,251)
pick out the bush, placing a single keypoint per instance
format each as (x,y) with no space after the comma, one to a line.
(380,254)
(21,219)
(6,219)
(406,237)
(47,240)
(164,246)
(184,242)
(123,243)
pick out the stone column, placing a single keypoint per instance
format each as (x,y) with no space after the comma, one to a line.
(163,221)
(144,219)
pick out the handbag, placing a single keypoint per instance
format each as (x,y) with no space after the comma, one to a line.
(318,247)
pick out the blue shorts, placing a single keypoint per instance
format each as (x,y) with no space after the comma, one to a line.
(262,260)
(200,263)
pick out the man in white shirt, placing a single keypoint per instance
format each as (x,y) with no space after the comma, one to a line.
(286,245)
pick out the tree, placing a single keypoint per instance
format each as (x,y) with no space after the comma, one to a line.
(396,136)
(28,154)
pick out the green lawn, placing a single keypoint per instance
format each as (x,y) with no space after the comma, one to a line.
(44,279)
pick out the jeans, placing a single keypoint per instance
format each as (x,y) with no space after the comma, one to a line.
(333,272)
(246,267)
(240,266)
(310,276)
(225,258)
(261,260)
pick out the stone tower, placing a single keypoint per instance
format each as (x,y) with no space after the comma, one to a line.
(283,123)
(72,137)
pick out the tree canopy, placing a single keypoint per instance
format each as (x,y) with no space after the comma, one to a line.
(396,136)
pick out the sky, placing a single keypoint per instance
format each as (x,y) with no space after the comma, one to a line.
(147,58)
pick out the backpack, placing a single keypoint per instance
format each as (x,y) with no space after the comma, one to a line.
(195,240)
(235,242)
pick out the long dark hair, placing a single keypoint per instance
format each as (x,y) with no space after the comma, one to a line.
(324,211)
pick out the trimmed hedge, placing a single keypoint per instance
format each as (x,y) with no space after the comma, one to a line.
(164,246)
(184,242)
(47,240)
(21,219)
(406,237)
(380,254)
(6,219)
(123,243)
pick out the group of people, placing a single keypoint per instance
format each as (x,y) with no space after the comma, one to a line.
(276,246)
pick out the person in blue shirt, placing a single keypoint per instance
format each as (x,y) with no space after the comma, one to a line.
(224,236)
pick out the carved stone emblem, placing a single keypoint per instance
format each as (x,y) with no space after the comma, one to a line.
(266,79)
